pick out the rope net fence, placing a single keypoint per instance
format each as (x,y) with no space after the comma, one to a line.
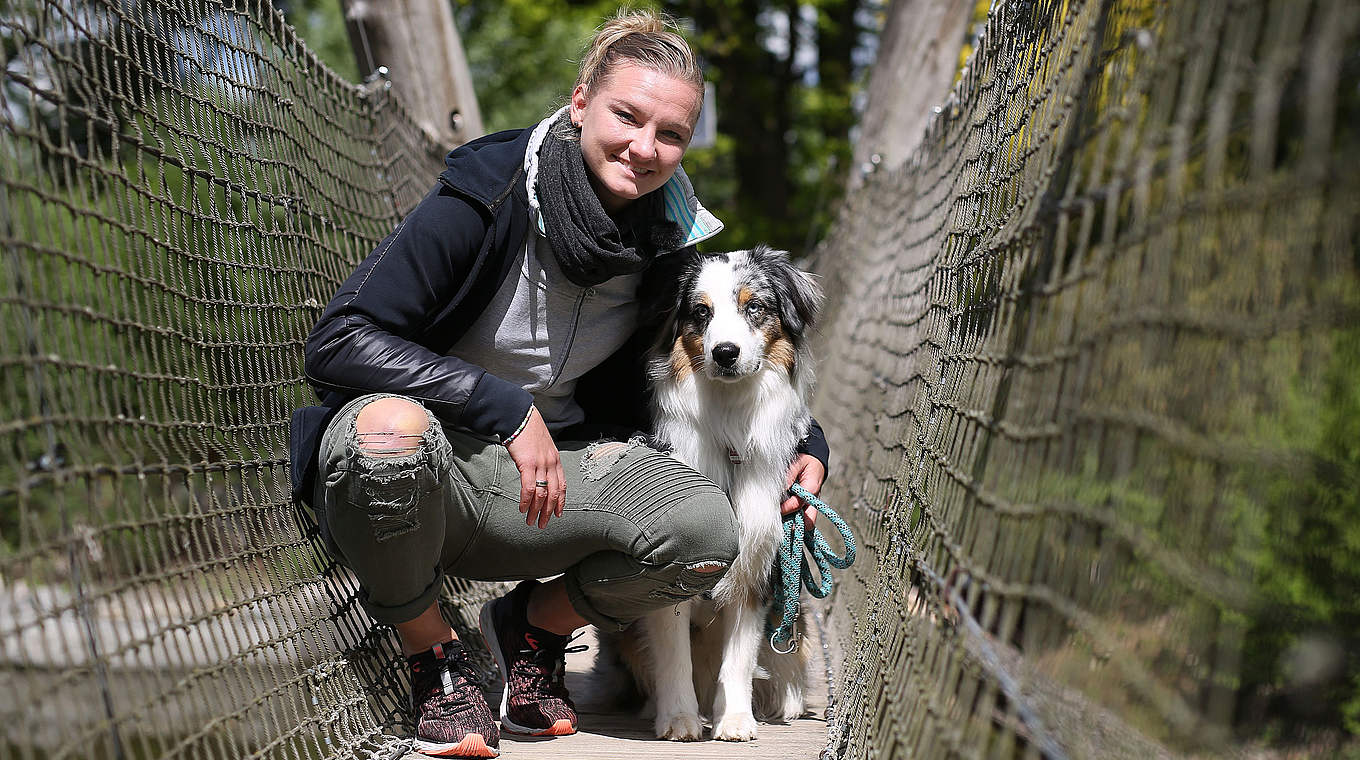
(182,187)
(1090,370)
(1084,369)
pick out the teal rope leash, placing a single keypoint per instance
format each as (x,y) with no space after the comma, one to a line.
(791,568)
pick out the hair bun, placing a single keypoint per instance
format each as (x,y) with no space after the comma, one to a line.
(641,37)
(628,22)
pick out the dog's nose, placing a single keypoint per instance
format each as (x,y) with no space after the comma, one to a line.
(725,354)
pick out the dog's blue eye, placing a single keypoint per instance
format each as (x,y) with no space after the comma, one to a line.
(755,309)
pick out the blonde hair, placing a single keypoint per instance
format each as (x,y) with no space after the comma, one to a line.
(641,37)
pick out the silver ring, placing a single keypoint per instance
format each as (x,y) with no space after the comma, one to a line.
(541,483)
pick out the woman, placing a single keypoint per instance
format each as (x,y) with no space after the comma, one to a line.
(464,359)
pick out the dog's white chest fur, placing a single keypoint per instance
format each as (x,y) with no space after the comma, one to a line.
(758,421)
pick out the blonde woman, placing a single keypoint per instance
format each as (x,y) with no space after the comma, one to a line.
(463,363)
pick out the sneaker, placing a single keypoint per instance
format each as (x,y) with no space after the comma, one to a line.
(532,663)
(454,719)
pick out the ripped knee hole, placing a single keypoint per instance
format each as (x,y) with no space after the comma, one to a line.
(601,457)
(387,443)
(390,427)
(707,567)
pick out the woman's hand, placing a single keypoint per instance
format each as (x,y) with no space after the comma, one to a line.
(536,457)
(808,472)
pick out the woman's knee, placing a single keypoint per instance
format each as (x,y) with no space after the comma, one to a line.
(391,426)
(703,529)
(385,482)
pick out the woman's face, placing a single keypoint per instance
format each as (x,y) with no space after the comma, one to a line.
(635,127)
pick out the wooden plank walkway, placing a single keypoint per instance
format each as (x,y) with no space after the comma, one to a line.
(610,735)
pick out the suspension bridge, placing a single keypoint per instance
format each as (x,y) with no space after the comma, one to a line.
(1088,370)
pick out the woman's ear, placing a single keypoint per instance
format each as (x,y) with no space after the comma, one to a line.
(577,111)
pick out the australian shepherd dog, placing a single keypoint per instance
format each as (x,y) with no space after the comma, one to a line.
(731,378)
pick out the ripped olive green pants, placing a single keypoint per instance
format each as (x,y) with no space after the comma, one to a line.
(639,531)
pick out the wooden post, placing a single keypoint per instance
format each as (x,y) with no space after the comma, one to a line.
(918,56)
(419,45)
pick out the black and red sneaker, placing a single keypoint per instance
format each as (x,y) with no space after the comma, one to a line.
(532,663)
(453,719)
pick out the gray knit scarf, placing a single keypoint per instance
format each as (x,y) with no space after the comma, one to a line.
(590,245)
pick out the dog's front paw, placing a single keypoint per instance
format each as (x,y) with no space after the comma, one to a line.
(679,727)
(735,728)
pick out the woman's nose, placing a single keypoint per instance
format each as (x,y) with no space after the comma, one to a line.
(644,144)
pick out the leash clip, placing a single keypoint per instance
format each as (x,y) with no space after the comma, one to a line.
(793,643)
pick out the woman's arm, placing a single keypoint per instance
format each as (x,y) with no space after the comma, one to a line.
(375,334)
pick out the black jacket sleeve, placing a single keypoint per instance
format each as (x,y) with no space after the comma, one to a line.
(380,333)
(816,445)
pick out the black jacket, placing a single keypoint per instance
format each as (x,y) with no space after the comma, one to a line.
(391,323)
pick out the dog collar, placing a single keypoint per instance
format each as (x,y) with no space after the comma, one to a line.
(733,456)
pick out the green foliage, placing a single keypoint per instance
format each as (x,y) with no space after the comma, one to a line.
(523,54)
(1308,570)
(784,77)
(322,24)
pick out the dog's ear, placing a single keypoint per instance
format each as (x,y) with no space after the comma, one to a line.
(671,285)
(800,297)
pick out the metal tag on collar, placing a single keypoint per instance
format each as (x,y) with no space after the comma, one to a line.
(733,456)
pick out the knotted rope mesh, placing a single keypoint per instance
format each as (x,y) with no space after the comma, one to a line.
(1076,349)
(1077,369)
(182,187)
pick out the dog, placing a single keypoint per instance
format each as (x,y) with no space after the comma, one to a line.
(731,377)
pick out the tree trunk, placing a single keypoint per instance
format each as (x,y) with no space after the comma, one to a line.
(419,45)
(918,56)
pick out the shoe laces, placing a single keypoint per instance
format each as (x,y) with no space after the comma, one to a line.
(448,676)
(544,669)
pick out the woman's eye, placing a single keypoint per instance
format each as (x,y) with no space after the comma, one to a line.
(626,117)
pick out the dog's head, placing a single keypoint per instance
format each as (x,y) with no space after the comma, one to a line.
(736,313)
